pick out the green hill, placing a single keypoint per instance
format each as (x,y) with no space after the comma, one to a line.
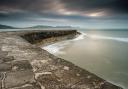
(6,27)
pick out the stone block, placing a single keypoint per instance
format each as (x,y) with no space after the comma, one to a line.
(19,78)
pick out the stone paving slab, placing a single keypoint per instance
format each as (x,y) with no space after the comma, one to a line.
(19,78)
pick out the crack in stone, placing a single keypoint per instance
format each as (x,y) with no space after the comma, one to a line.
(2,77)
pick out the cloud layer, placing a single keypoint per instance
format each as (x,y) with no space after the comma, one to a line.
(63,10)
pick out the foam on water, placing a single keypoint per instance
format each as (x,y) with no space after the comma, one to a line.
(80,37)
(57,47)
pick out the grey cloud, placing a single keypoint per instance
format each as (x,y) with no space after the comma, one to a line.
(115,6)
(74,10)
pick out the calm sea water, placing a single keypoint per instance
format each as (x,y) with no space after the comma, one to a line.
(104,53)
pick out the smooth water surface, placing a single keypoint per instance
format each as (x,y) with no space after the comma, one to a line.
(104,53)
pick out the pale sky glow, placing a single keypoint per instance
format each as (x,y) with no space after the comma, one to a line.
(65,12)
(96,14)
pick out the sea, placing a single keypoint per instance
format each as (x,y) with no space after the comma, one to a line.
(102,52)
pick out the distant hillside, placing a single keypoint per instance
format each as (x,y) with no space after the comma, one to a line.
(63,27)
(34,27)
(41,26)
(45,26)
(6,27)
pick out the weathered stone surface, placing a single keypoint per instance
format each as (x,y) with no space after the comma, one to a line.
(5,67)
(107,85)
(0,84)
(24,65)
(19,78)
(50,81)
(28,86)
(6,59)
(21,65)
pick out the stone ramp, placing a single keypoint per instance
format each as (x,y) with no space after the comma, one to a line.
(27,66)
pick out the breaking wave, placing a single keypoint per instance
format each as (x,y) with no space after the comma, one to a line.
(57,47)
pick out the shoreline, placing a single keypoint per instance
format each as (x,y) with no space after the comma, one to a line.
(29,66)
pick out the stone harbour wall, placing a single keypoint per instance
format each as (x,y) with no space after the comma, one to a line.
(24,65)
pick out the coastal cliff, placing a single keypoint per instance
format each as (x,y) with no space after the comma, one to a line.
(24,65)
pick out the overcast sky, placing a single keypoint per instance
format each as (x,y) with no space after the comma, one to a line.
(82,13)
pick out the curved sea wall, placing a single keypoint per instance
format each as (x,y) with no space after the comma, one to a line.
(49,37)
(24,65)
